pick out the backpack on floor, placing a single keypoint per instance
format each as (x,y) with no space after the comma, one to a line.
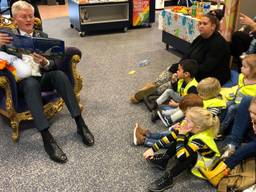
(241,177)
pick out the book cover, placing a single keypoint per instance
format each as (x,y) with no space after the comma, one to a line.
(48,47)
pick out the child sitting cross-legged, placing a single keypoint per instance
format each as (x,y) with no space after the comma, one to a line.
(246,87)
(142,136)
(192,143)
(183,83)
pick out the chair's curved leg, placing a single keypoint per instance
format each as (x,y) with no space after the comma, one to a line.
(15,130)
(81,107)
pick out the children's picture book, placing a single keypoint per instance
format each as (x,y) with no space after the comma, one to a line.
(48,47)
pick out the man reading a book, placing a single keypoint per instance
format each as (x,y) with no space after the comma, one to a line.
(46,77)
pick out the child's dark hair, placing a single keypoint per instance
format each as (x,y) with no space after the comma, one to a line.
(190,66)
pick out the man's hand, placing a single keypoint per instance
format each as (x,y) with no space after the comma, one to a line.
(5,39)
(148,154)
(41,60)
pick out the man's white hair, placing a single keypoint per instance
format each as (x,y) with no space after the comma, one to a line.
(19,5)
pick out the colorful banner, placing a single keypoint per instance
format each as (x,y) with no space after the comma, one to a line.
(179,25)
(140,12)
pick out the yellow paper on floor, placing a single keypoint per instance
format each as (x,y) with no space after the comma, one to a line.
(132,72)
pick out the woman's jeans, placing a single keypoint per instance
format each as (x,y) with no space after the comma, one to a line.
(228,117)
(242,131)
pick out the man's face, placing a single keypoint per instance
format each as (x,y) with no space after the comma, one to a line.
(24,19)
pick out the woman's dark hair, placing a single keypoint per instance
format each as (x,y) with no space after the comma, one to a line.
(219,13)
(213,19)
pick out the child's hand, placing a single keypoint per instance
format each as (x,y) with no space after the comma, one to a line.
(174,77)
(148,154)
(176,126)
(173,103)
(184,129)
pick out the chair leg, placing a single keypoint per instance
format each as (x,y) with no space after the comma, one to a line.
(15,130)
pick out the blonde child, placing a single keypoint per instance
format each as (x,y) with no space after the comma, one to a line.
(246,87)
(142,136)
(192,143)
(209,90)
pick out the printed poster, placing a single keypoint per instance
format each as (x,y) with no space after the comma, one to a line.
(140,12)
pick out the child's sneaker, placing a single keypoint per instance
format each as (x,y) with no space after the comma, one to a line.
(161,184)
(150,103)
(154,116)
(167,121)
(138,138)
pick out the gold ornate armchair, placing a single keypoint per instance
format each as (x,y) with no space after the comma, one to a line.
(13,105)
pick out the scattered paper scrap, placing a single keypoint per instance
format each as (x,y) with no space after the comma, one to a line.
(132,72)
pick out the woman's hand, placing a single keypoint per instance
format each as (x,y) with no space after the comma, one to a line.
(41,60)
(149,153)
(245,20)
(5,39)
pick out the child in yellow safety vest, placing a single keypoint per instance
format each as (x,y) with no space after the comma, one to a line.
(143,136)
(246,86)
(183,83)
(209,90)
(192,143)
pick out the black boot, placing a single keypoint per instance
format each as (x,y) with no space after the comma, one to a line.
(150,102)
(159,161)
(161,184)
(84,132)
(52,149)
(154,116)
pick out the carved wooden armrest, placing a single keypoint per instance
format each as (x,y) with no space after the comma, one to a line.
(78,81)
(5,85)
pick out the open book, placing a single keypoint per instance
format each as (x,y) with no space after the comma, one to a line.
(44,46)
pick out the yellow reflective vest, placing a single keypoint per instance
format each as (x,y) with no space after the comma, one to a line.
(217,102)
(204,162)
(237,92)
(184,91)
